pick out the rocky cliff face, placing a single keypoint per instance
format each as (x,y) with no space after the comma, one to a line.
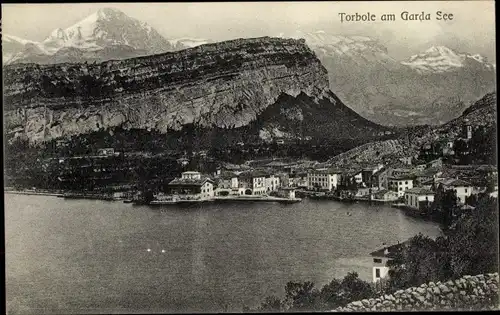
(225,85)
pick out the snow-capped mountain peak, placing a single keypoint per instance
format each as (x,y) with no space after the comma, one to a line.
(104,28)
(106,33)
(362,49)
(438,59)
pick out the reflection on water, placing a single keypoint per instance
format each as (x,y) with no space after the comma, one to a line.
(84,256)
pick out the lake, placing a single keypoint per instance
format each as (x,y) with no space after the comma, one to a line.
(86,256)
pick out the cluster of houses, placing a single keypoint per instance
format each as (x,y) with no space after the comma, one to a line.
(413,185)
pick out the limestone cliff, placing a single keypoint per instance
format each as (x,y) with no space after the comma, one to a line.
(226,84)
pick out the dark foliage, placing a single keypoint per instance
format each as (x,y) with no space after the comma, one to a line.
(303,297)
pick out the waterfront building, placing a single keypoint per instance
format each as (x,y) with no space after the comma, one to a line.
(254,182)
(363,192)
(380,178)
(227,180)
(322,179)
(272,182)
(400,184)
(358,176)
(287,192)
(191,186)
(418,198)
(386,195)
(298,180)
(283,179)
(462,188)
(368,172)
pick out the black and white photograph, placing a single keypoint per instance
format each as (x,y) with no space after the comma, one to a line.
(248,157)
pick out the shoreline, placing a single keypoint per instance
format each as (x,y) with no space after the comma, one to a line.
(33,193)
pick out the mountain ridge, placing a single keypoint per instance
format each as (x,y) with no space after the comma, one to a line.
(98,37)
(226,84)
(388,91)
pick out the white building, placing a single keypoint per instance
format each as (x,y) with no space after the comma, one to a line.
(272,183)
(380,258)
(287,192)
(298,180)
(400,184)
(416,198)
(462,188)
(255,182)
(229,185)
(322,179)
(191,186)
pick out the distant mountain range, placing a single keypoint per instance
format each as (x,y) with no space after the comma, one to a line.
(104,35)
(432,87)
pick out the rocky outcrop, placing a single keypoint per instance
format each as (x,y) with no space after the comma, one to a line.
(224,84)
(370,152)
(467,293)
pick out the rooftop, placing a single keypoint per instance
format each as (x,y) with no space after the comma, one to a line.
(255,173)
(403,176)
(325,171)
(189,181)
(191,172)
(391,250)
(419,191)
(228,175)
(455,182)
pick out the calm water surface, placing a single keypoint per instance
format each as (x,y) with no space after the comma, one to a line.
(85,256)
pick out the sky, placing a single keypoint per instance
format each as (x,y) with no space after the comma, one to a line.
(472,29)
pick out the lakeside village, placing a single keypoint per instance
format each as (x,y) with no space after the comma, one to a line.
(398,180)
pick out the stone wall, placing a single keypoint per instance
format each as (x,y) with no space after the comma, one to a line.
(469,292)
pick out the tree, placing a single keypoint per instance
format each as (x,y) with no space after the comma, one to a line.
(473,243)
(354,289)
(300,296)
(271,304)
(420,260)
(446,205)
(469,247)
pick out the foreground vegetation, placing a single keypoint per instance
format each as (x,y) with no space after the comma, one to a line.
(468,246)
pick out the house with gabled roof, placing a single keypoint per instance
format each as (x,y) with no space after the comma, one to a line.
(401,183)
(381,257)
(462,188)
(191,186)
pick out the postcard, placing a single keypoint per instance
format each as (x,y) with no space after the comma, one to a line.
(207,157)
